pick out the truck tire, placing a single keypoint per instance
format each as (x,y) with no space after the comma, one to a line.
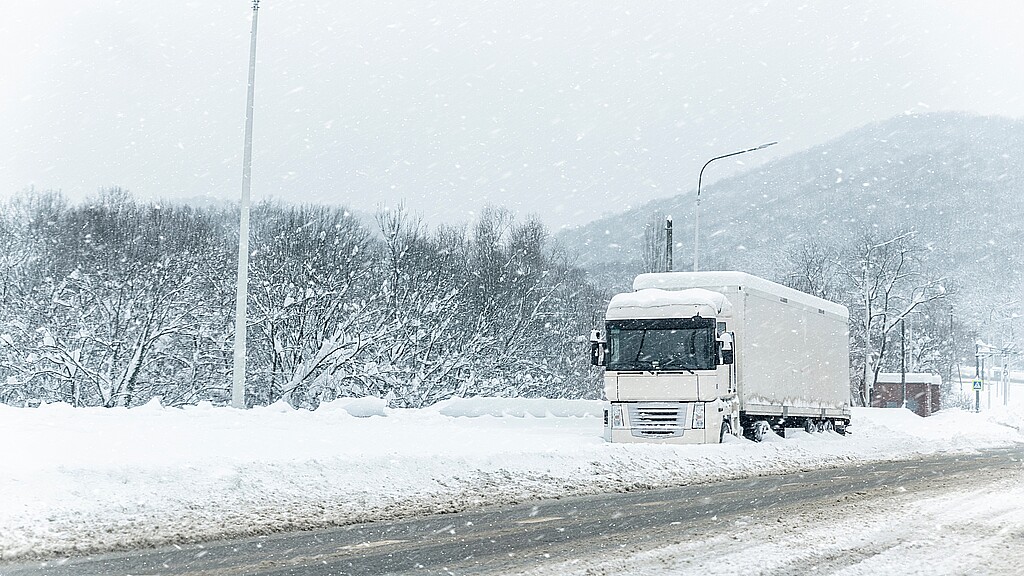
(810,427)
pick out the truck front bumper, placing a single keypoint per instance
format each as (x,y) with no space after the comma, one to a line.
(689,437)
(663,422)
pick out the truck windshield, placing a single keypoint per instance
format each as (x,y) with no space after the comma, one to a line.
(663,344)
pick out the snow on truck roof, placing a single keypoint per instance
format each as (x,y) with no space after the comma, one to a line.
(657,303)
(721,279)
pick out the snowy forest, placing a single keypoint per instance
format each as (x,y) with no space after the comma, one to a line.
(113,302)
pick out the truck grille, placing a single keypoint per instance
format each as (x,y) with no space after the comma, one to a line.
(650,420)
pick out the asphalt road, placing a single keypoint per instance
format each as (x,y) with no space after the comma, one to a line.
(511,539)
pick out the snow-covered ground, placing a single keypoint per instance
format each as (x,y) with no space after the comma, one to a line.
(84,480)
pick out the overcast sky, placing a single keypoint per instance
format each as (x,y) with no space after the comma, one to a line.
(568,110)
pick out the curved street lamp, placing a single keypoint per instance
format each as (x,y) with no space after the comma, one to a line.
(696,219)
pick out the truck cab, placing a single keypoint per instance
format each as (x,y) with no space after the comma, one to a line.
(668,358)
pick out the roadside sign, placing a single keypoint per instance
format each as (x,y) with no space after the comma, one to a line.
(977,384)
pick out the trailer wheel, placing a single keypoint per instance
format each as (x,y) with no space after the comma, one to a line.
(810,427)
(761,428)
(828,426)
(726,430)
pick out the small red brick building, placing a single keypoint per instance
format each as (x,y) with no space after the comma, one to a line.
(923,392)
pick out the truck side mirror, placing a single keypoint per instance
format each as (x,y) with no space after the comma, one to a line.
(727,357)
(725,349)
(597,349)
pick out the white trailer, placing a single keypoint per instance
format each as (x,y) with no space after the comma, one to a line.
(693,356)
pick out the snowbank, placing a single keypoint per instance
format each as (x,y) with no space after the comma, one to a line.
(85,480)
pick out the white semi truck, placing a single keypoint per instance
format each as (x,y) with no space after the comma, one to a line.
(691,357)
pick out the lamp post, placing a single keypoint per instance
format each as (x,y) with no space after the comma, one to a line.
(242,287)
(700,178)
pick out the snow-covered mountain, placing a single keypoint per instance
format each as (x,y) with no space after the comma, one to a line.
(956,179)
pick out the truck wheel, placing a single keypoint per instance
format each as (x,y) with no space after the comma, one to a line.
(761,428)
(828,426)
(810,427)
(726,430)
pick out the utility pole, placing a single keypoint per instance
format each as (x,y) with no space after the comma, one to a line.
(242,292)
(1006,378)
(903,359)
(954,359)
(869,381)
(668,243)
(978,382)
(910,336)
(988,395)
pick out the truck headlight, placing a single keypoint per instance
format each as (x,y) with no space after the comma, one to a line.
(617,417)
(698,415)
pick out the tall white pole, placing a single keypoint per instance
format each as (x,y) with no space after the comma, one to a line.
(696,223)
(242,293)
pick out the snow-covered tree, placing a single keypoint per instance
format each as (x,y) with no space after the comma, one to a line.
(882,278)
(114,302)
(116,287)
(309,312)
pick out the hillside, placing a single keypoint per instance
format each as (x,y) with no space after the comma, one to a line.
(955,178)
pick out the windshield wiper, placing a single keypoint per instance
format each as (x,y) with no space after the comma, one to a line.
(640,348)
(679,365)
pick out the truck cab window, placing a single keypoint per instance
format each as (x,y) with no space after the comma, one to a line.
(662,344)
